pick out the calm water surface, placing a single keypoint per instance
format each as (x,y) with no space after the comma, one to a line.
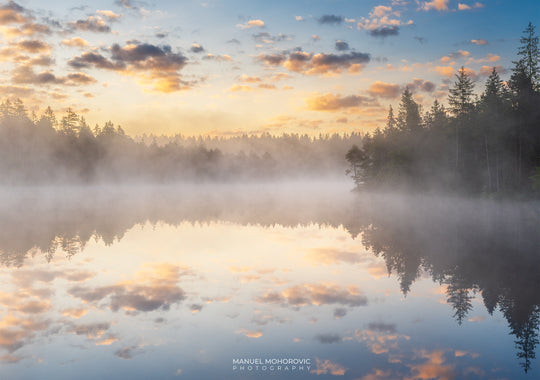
(197,282)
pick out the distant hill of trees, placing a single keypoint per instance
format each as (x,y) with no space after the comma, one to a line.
(38,150)
(488,144)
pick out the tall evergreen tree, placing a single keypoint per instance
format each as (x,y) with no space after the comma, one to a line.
(530,55)
(461,99)
(391,122)
(408,119)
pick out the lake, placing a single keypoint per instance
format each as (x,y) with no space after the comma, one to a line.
(296,280)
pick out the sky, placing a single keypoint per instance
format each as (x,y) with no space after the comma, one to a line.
(230,67)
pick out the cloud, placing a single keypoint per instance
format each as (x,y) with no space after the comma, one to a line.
(420,39)
(13,13)
(328,256)
(75,42)
(330,19)
(128,4)
(316,294)
(26,75)
(20,91)
(382,327)
(91,330)
(328,338)
(28,29)
(33,46)
(91,24)
(251,24)
(384,31)
(96,60)
(196,48)
(153,64)
(80,79)
(437,5)
(381,10)
(154,289)
(421,85)
(323,367)
(267,38)
(384,90)
(486,70)
(272,59)
(446,71)
(321,63)
(218,58)
(109,15)
(460,54)
(340,312)
(16,332)
(298,18)
(479,42)
(250,333)
(331,102)
(74,313)
(465,7)
(433,367)
(380,22)
(488,58)
(128,352)
(342,45)
(380,338)
(247,79)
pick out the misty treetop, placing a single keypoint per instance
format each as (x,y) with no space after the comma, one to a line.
(489,143)
(45,149)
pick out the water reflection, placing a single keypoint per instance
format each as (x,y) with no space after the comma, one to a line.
(238,256)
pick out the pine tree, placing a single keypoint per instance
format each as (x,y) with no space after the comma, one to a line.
(530,55)
(461,95)
(391,122)
(409,113)
(461,104)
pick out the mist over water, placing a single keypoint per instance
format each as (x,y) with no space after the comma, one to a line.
(361,283)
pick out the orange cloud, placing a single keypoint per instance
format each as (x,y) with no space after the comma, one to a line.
(247,79)
(479,42)
(384,90)
(328,256)
(446,71)
(250,333)
(486,70)
(433,368)
(33,46)
(240,88)
(75,42)
(251,24)
(331,102)
(438,5)
(323,367)
(74,313)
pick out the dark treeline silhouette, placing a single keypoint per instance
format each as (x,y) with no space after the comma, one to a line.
(489,143)
(480,246)
(44,150)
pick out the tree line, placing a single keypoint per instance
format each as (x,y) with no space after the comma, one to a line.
(477,144)
(44,149)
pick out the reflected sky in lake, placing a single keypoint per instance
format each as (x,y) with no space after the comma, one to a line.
(178,283)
